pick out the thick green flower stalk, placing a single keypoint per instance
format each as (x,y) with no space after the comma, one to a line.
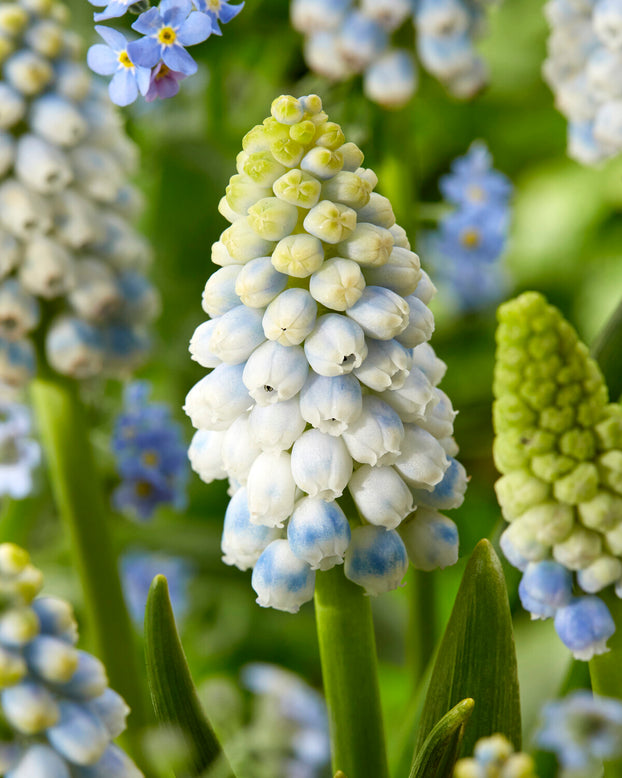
(559,446)
(323,379)
(58,715)
(71,265)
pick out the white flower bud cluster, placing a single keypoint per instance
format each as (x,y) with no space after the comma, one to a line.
(323,380)
(344,38)
(582,69)
(69,257)
(53,697)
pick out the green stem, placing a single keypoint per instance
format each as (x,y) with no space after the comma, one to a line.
(606,351)
(349,668)
(80,503)
(421,638)
(16,518)
(606,669)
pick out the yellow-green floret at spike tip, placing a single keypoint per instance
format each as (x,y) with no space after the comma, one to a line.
(559,447)
(323,379)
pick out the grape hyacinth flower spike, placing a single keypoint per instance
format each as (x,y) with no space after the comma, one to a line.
(54,697)
(72,268)
(322,379)
(494,757)
(559,447)
(150,455)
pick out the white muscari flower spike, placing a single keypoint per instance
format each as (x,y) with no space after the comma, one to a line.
(55,698)
(63,157)
(321,378)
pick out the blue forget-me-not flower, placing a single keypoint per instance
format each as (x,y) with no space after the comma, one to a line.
(583,730)
(150,455)
(113,59)
(472,237)
(322,379)
(55,698)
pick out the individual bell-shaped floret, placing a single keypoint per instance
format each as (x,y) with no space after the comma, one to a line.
(321,378)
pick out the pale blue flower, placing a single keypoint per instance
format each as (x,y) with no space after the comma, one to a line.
(113,10)
(242,541)
(318,532)
(281,579)
(473,180)
(138,569)
(582,730)
(376,559)
(167,30)
(584,626)
(112,59)
(545,587)
(391,80)
(219,11)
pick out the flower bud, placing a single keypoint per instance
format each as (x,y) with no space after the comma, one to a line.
(290,317)
(330,222)
(386,366)
(41,166)
(236,334)
(449,492)
(381,313)
(216,400)
(414,399)
(584,626)
(603,572)
(51,659)
(422,461)
(272,218)
(298,188)
(242,242)
(78,735)
(298,255)
(420,324)
(39,760)
(29,707)
(401,274)
(271,489)
(220,295)
(281,579)
(331,404)
(369,245)
(545,587)
(336,345)
(391,80)
(205,455)
(74,347)
(242,541)
(239,449)
(321,465)
(431,540)
(519,544)
(200,345)
(380,495)
(338,284)
(376,559)
(322,163)
(112,710)
(276,427)
(318,533)
(430,365)
(257,283)
(375,438)
(347,188)
(274,373)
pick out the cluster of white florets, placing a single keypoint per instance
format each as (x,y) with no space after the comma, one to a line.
(583,70)
(54,698)
(68,256)
(322,377)
(344,38)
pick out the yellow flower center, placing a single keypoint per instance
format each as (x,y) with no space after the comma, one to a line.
(167,36)
(125,60)
(150,458)
(162,72)
(476,194)
(214,5)
(143,488)
(470,238)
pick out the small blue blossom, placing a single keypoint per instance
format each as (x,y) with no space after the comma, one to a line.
(167,30)
(151,456)
(582,730)
(471,238)
(545,587)
(113,10)
(18,453)
(138,569)
(584,626)
(219,11)
(112,59)
(473,181)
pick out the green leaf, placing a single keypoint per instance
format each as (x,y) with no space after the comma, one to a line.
(439,753)
(477,658)
(606,351)
(173,693)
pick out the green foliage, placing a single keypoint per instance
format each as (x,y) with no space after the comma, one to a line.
(477,658)
(439,752)
(174,697)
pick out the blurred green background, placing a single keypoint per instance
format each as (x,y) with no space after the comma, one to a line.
(565,241)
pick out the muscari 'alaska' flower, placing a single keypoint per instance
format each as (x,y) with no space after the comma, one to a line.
(322,377)
(70,261)
(559,446)
(494,757)
(150,455)
(19,454)
(583,730)
(54,697)
(584,55)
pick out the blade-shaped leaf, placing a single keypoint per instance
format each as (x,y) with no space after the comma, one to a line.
(477,657)
(606,350)
(173,693)
(439,753)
